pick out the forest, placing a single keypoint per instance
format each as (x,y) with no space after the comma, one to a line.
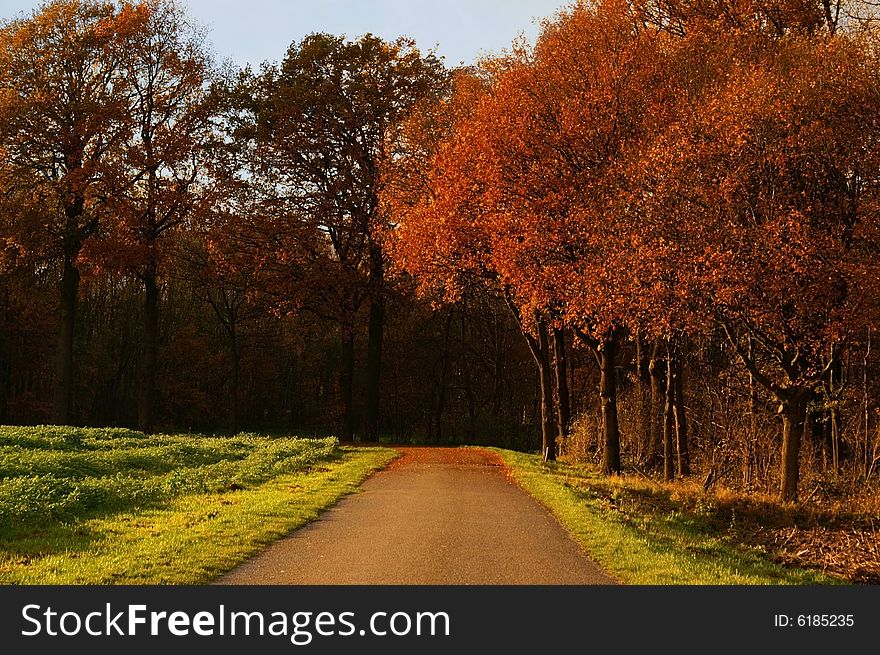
(648,241)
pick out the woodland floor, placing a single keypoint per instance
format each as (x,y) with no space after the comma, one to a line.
(838,535)
(838,543)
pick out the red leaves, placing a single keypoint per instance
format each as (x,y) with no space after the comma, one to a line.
(529,192)
(621,176)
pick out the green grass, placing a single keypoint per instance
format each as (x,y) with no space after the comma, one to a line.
(80,506)
(644,542)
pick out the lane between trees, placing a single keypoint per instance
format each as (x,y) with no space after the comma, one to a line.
(435,516)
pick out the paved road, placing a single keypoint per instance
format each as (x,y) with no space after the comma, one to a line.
(435,516)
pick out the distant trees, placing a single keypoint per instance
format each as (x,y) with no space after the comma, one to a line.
(448,235)
(161,180)
(193,218)
(213,268)
(325,123)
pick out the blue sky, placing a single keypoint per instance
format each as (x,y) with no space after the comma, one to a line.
(253,31)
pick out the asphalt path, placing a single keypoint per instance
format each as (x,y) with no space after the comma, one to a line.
(435,516)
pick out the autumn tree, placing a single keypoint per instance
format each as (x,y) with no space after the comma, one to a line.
(769,18)
(436,192)
(63,116)
(324,123)
(598,88)
(161,179)
(534,181)
(769,205)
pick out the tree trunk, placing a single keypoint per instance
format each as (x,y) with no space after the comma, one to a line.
(147,390)
(540,349)
(233,385)
(681,429)
(346,382)
(834,423)
(5,363)
(814,430)
(444,374)
(656,370)
(469,394)
(61,411)
(498,368)
(832,397)
(644,410)
(669,418)
(572,386)
(750,467)
(607,355)
(866,415)
(560,372)
(794,415)
(374,345)
(548,427)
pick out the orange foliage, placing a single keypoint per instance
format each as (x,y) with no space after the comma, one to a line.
(762,196)
(530,191)
(620,176)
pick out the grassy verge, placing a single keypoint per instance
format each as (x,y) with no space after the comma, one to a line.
(114,507)
(632,530)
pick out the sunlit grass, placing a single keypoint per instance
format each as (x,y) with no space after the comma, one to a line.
(117,507)
(645,540)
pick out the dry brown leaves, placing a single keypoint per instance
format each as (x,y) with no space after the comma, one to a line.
(851,552)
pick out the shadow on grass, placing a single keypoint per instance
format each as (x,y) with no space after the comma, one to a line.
(61,505)
(663,528)
(26,547)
